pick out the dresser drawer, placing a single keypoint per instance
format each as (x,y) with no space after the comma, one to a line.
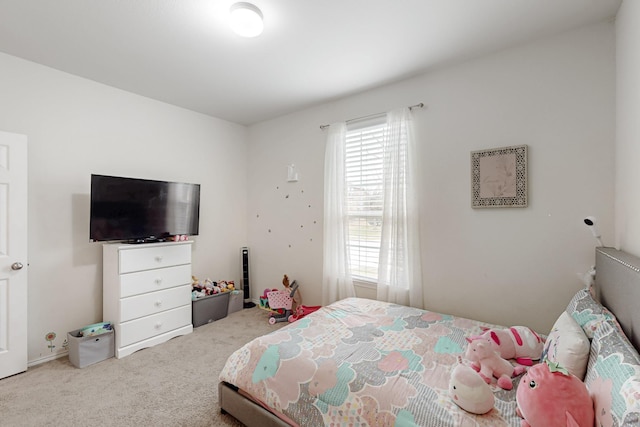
(154,302)
(154,256)
(142,282)
(150,326)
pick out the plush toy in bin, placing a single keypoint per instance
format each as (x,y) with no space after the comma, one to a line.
(549,396)
(209,287)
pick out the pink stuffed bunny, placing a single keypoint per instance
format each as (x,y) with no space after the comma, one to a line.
(548,396)
(489,363)
(518,342)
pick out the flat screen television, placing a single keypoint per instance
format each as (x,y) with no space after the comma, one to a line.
(142,210)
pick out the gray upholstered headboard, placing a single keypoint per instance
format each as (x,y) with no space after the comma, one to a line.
(618,288)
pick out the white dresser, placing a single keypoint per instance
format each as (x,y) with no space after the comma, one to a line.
(147,293)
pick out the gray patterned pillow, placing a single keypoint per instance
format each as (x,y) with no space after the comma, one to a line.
(613,377)
(587,312)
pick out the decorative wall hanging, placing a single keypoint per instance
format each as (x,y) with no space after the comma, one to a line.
(499,177)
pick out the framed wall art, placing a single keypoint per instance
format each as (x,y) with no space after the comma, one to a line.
(499,177)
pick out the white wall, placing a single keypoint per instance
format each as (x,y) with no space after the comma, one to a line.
(508,266)
(556,95)
(76,127)
(628,127)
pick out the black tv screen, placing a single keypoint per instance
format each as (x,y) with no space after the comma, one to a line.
(142,210)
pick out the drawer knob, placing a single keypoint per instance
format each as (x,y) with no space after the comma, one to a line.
(158,303)
(159,258)
(158,325)
(158,280)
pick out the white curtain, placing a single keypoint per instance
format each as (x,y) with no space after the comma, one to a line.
(336,282)
(399,270)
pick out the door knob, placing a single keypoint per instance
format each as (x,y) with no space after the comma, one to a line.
(17,266)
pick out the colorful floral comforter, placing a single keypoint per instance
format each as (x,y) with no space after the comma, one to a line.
(359,362)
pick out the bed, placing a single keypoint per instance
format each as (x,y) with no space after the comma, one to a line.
(367,363)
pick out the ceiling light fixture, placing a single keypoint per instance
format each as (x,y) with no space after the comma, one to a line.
(246,19)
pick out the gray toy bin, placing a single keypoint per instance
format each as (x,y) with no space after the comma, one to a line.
(209,309)
(85,351)
(236,302)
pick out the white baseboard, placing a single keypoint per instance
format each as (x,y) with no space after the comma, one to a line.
(48,358)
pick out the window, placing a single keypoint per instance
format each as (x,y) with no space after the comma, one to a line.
(371,230)
(364,179)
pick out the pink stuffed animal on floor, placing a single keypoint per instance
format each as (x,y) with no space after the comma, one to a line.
(489,363)
(548,396)
(517,342)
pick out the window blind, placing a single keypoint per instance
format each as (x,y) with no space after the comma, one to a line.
(364,162)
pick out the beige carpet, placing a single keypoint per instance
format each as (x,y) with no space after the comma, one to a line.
(172,384)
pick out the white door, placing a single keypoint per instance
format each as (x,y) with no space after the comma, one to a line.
(13,254)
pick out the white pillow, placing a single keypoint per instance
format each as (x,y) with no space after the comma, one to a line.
(568,346)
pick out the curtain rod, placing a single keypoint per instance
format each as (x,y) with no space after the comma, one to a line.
(411,107)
